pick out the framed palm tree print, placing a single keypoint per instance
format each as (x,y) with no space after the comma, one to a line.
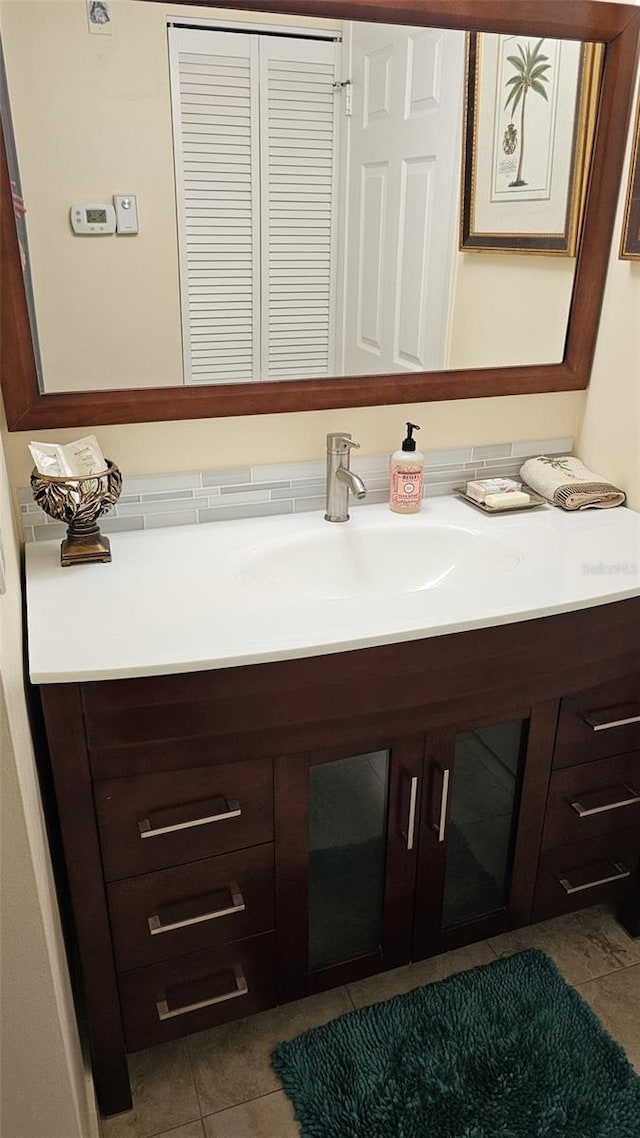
(528,128)
(630,244)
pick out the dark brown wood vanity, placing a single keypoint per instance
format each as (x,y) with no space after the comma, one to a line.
(187,817)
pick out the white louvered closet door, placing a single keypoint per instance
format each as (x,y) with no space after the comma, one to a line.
(216,142)
(255,150)
(298,131)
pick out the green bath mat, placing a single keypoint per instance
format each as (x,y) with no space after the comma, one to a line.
(507,1050)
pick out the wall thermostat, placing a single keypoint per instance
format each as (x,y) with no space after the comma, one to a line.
(93,218)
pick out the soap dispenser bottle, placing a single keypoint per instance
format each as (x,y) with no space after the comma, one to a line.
(407,472)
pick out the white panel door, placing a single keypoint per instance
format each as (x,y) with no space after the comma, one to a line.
(403,185)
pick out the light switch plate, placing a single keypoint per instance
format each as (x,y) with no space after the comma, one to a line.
(126,207)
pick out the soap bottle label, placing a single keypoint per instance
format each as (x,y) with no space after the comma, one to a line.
(406,485)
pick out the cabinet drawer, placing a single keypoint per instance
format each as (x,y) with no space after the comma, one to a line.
(156,821)
(593,798)
(203,989)
(175,911)
(573,877)
(599,722)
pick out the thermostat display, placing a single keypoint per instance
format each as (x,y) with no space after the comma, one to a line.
(93,218)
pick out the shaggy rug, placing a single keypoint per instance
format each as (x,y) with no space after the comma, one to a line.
(507,1050)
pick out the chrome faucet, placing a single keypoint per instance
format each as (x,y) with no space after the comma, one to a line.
(340,479)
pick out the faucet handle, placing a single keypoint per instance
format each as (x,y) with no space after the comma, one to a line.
(339,442)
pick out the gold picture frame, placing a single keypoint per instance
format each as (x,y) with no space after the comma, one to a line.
(630,240)
(501,209)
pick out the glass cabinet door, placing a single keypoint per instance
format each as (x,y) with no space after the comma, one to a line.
(348,801)
(471,806)
(484,791)
(346,856)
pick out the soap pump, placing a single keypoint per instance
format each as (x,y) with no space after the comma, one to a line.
(407,471)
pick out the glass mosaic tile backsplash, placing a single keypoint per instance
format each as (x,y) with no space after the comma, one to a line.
(281,488)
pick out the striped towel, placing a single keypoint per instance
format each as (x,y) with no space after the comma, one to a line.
(566,482)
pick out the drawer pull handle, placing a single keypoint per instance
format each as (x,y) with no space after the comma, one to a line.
(148,831)
(609,717)
(241,989)
(441,825)
(409,833)
(619,875)
(625,796)
(237,906)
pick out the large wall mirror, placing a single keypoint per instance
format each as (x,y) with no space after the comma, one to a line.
(335,202)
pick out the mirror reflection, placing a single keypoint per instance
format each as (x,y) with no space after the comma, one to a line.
(215,197)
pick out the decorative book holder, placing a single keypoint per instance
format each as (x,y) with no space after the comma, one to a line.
(79,502)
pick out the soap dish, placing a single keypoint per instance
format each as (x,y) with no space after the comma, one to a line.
(535,500)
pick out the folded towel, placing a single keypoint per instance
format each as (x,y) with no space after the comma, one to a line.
(566,482)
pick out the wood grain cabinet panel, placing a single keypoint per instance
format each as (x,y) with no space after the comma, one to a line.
(204,989)
(199,905)
(155,821)
(174,791)
(593,798)
(599,722)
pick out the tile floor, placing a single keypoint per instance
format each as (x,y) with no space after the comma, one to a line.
(219,1083)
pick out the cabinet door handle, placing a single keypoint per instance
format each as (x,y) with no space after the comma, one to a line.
(237,906)
(409,833)
(621,716)
(621,872)
(148,830)
(623,795)
(241,989)
(441,825)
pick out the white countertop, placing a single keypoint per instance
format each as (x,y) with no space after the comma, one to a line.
(185,599)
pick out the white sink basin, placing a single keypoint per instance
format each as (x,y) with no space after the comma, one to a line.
(244,592)
(344,561)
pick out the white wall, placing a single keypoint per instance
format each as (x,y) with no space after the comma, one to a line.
(43,1081)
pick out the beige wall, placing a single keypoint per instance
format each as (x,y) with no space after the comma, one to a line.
(148,448)
(49,53)
(44,1086)
(609,440)
(495,297)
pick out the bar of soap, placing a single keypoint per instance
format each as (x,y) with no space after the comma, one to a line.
(507,501)
(479,488)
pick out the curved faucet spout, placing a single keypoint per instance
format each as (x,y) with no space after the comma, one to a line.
(354,482)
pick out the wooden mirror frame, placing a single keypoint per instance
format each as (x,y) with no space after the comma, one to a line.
(615,25)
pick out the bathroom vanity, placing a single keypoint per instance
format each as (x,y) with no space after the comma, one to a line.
(270,783)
